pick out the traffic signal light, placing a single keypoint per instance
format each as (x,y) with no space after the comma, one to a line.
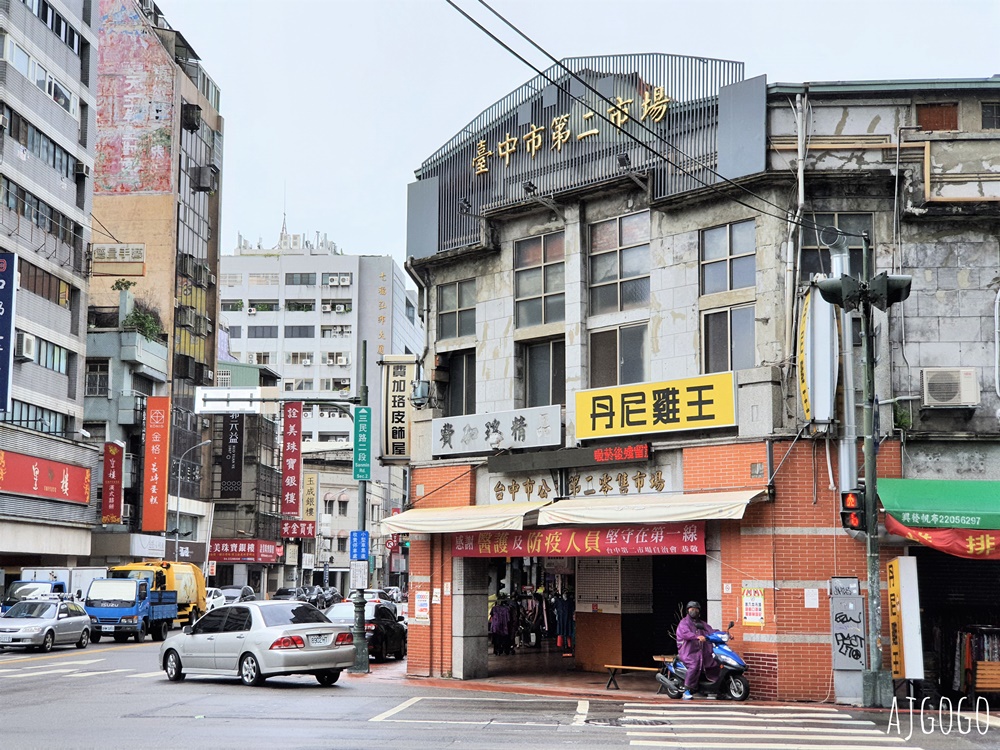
(845,291)
(852,510)
(885,290)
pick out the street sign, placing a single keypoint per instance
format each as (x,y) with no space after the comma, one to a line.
(359,574)
(390,544)
(359,545)
(362,444)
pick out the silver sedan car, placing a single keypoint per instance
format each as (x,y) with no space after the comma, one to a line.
(260,639)
(44,623)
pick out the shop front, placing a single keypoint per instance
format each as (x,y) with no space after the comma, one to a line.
(243,562)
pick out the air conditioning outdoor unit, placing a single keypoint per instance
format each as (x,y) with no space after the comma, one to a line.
(83,169)
(949,387)
(251,311)
(126,512)
(323,414)
(343,359)
(331,360)
(345,279)
(333,281)
(307,363)
(340,308)
(4,122)
(210,375)
(211,279)
(327,308)
(24,347)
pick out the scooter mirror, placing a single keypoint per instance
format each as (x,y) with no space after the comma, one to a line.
(731,623)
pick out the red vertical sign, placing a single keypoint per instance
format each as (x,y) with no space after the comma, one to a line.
(111,491)
(156,464)
(291,455)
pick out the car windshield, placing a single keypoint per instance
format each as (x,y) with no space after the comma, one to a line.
(121,589)
(344,612)
(33,610)
(23,589)
(285,592)
(293,613)
(231,592)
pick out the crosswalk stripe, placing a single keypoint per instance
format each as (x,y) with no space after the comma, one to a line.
(806,714)
(157,673)
(35,674)
(92,674)
(798,730)
(715,705)
(783,719)
(873,736)
(757,745)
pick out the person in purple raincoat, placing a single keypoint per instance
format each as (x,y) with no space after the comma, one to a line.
(695,650)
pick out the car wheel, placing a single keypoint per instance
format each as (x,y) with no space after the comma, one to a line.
(140,634)
(250,671)
(328,677)
(378,654)
(172,666)
(95,637)
(48,642)
(160,631)
(84,639)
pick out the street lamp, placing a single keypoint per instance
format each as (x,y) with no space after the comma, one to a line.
(177,512)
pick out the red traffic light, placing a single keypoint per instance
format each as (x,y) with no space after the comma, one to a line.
(851,500)
(852,511)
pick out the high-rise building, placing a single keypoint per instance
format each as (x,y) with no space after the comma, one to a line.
(157,187)
(47,139)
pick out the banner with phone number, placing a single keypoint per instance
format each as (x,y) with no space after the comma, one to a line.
(657,539)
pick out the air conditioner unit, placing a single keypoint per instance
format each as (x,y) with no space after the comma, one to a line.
(327,308)
(210,375)
(83,169)
(126,512)
(323,414)
(251,358)
(340,308)
(206,423)
(24,348)
(331,360)
(211,279)
(251,311)
(949,386)
(333,281)
(345,279)
(307,363)
(4,122)
(343,359)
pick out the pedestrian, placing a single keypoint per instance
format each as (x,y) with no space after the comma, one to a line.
(695,650)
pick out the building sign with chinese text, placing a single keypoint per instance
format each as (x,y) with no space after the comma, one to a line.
(656,539)
(8,298)
(298,529)
(118,260)
(600,481)
(753,607)
(398,374)
(362,443)
(243,550)
(156,464)
(111,485)
(310,491)
(698,403)
(538,427)
(21,474)
(291,454)
(231,485)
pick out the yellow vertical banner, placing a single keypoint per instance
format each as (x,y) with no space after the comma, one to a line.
(310,485)
(895,618)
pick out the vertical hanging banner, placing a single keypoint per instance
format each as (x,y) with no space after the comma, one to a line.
(156,464)
(291,457)
(8,284)
(111,486)
(362,443)
(231,486)
(398,373)
(310,491)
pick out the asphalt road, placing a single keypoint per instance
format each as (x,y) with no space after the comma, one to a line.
(112,696)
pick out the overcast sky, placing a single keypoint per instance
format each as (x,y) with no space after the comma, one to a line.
(330,105)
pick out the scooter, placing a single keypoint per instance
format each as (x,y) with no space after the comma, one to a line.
(731,682)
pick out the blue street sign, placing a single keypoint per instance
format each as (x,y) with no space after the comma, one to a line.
(359,545)
(362,444)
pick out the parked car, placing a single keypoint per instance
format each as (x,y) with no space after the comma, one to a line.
(292,594)
(395,593)
(238,594)
(384,629)
(332,595)
(260,639)
(316,597)
(44,623)
(380,595)
(214,598)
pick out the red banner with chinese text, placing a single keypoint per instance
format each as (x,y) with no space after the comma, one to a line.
(975,544)
(39,477)
(298,529)
(243,550)
(655,539)
(111,489)
(156,464)
(291,454)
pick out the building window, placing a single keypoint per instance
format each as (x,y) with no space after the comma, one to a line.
(461,383)
(231,305)
(728,257)
(264,305)
(53,357)
(34,417)
(991,115)
(816,256)
(301,305)
(97,377)
(937,116)
(539,280)
(618,356)
(235,332)
(300,279)
(44,284)
(411,312)
(545,373)
(231,279)
(98,432)
(224,378)
(261,332)
(619,264)
(456,305)
(262,279)
(299,384)
(298,358)
(728,339)
(300,332)
(342,508)
(342,544)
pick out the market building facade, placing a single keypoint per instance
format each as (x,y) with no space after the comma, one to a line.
(627,393)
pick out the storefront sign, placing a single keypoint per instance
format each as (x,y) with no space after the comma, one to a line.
(905,638)
(699,403)
(310,491)
(298,529)
(111,484)
(156,464)
(659,539)
(186,551)
(818,350)
(362,444)
(569,458)
(243,550)
(975,544)
(398,373)
(479,433)
(291,453)
(118,260)
(8,285)
(753,607)
(231,486)
(598,483)
(38,477)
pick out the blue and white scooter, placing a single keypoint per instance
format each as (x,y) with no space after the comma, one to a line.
(731,683)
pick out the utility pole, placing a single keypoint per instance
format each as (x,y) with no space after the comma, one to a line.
(852,293)
(360,644)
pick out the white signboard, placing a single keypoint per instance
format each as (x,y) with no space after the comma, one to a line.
(422,610)
(486,433)
(359,574)
(227,400)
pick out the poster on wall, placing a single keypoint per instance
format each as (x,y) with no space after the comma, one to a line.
(753,607)
(422,607)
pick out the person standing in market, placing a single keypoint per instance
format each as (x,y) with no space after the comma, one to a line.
(695,650)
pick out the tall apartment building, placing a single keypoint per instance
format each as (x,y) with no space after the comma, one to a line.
(158,175)
(630,396)
(303,309)
(48,89)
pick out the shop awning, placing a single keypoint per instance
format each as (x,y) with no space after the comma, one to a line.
(667,508)
(942,503)
(506,517)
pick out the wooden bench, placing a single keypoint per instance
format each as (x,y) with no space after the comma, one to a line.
(987,677)
(616,669)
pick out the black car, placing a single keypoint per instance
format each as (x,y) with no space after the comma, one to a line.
(297,594)
(332,595)
(238,594)
(316,597)
(384,630)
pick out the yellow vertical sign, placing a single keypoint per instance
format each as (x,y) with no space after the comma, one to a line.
(895,619)
(310,483)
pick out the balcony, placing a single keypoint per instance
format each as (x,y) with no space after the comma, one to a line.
(138,349)
(130,408)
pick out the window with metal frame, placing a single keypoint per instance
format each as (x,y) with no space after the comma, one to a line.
(456,309)
(544,372)
(815,256)
(97,375)
(619,264)
(539,280)
(619,356)
(728,257)
(728,339)
(991,115)
(461,383)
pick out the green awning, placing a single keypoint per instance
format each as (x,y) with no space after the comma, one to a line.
(942,503)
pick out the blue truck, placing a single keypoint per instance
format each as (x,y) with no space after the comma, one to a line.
(124,608)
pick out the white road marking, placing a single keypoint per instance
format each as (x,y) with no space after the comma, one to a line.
(873,736)
(806,715)
(717,705)
(715,725)
(35,674)
(393,711)
(582,709)
(784,719)
(157,673)
(92,674)
(757,745)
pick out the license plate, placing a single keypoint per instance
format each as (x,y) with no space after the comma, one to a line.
(317,640)
(6,639)
(107,628)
